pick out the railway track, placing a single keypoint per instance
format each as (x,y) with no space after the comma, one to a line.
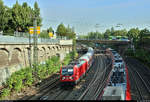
(105,78)
(92,81)
(85,82)
(67,94)
(145,71)
(140,96)
(98,83)
(63,93)
(101,84)
(52,90)
(142,85)
(44,89)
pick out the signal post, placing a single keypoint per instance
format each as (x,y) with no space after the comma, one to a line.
(35,31)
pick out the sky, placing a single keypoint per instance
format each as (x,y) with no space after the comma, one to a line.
(92,15)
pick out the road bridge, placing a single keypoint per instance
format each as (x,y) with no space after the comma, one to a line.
(115,42)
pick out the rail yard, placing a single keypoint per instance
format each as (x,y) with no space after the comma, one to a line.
(91,85)
(105,79)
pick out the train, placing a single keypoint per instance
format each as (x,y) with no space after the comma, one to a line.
(118,87)
(74,71)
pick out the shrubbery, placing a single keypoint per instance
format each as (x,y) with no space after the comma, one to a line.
(25,76)
(140,54)
(67,59)
(129,52)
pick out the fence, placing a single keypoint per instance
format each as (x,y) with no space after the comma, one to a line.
(13,39)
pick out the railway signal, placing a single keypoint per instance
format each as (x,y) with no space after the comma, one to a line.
(38,29)
(35,30)
(31,30)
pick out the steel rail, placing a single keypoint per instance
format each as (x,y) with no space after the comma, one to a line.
(105,78)
(136,84)
(45,89)
(148,88)
(92,83)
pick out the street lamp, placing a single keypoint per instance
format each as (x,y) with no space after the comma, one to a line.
(96,26)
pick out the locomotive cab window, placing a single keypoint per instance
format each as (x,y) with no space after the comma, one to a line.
(118,61)
(67,71)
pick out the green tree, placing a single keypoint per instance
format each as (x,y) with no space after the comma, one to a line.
(37,14)
(26,17)
(17,16)
(142,34)
(122,32)
(2,15)
(112,31)
(61,30)
(8,29)
(107,33)
(91,35)
(133,33)
(94,35)
(72,34)
(50,29)
(44,34)
(74,46)
(68,31)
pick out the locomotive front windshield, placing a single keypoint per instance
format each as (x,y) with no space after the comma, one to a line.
(67,71)
(117,61)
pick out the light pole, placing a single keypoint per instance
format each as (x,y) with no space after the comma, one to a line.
(35,38)
(35,44)
(96,26)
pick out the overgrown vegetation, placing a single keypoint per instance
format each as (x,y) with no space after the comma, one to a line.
(25,77)
(139,54)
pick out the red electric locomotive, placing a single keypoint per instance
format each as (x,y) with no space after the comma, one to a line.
(73,72)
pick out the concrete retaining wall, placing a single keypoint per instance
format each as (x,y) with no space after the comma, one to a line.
(13,57)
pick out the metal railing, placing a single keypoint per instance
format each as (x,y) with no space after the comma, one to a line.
(91,39)
(102,39)
(13,39)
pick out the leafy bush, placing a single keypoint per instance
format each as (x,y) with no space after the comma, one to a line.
(129,52)
(5,92)
(18,85)
(140,54)
(29,80)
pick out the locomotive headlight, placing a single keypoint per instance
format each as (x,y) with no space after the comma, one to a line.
(70,70)
(71,77)
(63,78)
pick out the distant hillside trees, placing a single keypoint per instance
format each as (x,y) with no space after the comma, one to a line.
(134,33)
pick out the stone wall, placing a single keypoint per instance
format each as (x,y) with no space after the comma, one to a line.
(13,57)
